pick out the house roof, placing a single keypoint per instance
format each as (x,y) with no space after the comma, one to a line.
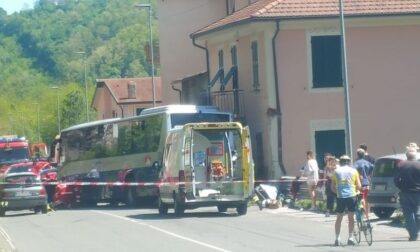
(143,87)
(299,9)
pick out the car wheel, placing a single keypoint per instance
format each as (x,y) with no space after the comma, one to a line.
(178,205)
(383,212)
(242,209)
(37,209)
(44,209)
(221,209)
(162,207)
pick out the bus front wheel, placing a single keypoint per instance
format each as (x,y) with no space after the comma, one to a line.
(162,207)
(131,196)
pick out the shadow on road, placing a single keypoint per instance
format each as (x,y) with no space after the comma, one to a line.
(171,216)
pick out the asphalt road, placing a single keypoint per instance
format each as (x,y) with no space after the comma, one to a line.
(123,229)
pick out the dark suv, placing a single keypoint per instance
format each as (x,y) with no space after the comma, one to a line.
(383,194)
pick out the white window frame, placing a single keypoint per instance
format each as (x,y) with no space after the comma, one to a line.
(309,34)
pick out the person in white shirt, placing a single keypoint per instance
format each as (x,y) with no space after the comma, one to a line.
(311,171)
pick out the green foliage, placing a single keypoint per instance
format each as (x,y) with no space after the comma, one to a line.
(38,50)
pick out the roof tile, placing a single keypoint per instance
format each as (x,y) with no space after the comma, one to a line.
(264,9)
(119,89)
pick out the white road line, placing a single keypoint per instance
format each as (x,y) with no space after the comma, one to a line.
(7,238)
(164,231)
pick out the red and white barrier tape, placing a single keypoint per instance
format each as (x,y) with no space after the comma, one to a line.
(126,184)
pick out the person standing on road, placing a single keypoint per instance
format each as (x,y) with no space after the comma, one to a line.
(367,156)
(330,166)
(345,182)
(365,169)
(407,179)
(311,171)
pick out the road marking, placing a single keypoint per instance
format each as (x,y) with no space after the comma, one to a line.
(7,238)
(164,231)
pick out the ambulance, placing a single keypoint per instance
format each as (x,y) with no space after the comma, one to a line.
(206,164)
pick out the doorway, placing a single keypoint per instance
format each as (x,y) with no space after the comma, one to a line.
(332,141)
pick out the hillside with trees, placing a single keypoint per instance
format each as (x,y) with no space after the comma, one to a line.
(48,46)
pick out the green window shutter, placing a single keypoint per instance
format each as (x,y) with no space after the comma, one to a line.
(326,61)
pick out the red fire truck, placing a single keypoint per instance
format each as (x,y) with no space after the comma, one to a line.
(13,149)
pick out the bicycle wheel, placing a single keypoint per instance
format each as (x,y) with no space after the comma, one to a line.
(367,231)
(357,232)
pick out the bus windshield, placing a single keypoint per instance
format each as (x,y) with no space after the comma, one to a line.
(184,118)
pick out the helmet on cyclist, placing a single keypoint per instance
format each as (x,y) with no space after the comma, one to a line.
(345,160)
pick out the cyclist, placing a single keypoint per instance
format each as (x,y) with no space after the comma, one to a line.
(345,182)
(365,169)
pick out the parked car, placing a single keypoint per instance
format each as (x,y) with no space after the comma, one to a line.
(20,167)
(21,191)
(383,194)
(29,166)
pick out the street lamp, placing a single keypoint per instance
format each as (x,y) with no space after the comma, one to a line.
(349,148)
(86,89)
(58,108)
(37,121)
(149,6)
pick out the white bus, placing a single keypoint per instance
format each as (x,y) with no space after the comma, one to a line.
(123,150)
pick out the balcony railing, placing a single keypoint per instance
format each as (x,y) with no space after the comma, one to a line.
(229,101)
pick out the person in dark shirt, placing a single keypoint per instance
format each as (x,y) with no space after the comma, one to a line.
(367,156)
(365,169)
(407,179)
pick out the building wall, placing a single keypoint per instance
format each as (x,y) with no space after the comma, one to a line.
(179,57)
(383,63)
(383,85)
(257,102)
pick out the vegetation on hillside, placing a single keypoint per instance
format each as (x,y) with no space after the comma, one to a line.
(50,45)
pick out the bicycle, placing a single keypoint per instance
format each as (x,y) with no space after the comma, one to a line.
(363,223)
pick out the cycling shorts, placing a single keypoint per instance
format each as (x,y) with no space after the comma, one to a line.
(364,192)
(346,203)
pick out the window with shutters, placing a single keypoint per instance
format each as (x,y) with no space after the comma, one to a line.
(326,61)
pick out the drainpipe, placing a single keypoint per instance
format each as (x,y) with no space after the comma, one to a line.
(177,89)
(278,108)
(207,68)
(122,110)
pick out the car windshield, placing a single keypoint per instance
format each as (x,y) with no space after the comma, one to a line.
(22,180)
(11,155)
(20,168)
(385,167)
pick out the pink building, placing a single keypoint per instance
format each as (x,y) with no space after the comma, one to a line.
(285,65)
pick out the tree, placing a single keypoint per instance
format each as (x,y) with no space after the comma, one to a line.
(73,111)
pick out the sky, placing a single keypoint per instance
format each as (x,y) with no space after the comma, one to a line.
(15,5)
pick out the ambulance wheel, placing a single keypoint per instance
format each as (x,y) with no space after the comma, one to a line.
(242,209)
(221,209)
(162,207)
(178,205)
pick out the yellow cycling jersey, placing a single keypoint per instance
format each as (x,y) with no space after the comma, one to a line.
(345,179)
